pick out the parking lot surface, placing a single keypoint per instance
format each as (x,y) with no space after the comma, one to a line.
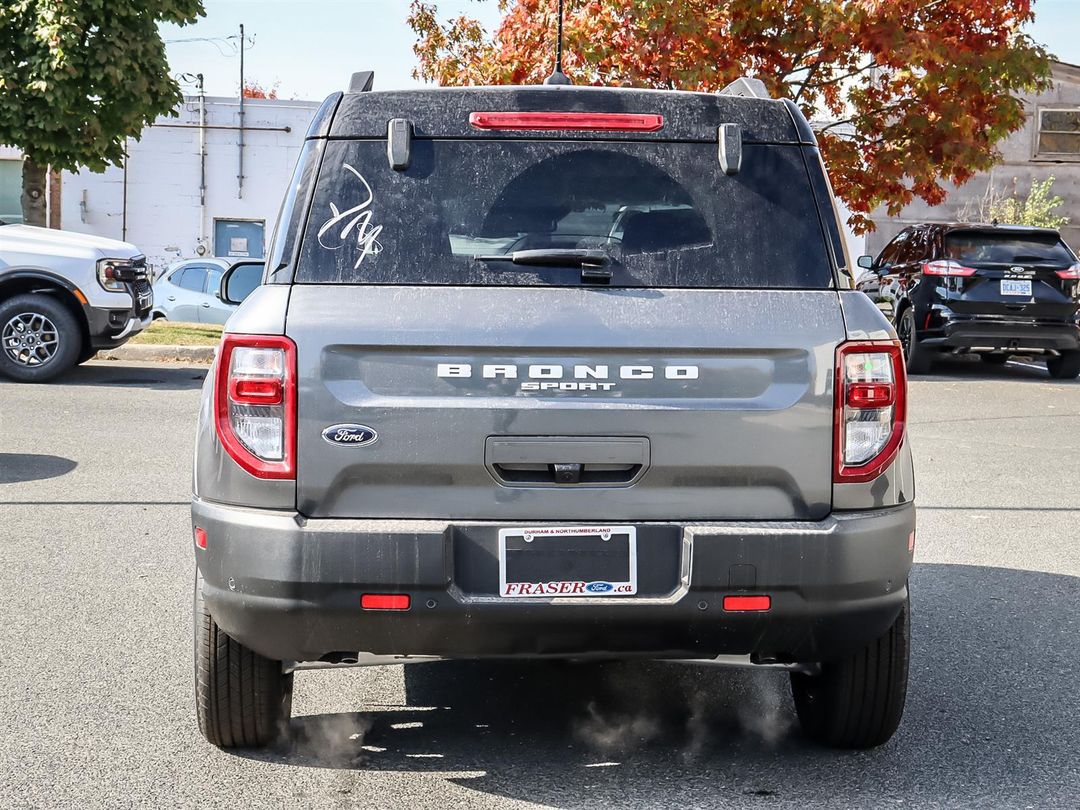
(96,651)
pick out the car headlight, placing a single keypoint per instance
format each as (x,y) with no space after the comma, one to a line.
(109,274)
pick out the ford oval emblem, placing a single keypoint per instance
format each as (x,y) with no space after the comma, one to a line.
(350,435)
(599,587)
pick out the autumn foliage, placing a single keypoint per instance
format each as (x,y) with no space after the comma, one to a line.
(256,90)
(905,94)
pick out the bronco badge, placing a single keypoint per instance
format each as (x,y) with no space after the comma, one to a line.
(351,435)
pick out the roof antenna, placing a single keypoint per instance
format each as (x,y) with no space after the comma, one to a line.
(557,76)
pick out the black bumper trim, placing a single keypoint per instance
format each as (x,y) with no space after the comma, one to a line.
(1007,335)
(290,588)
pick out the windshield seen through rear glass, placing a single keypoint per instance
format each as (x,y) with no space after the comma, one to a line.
(656,214)
(977,247)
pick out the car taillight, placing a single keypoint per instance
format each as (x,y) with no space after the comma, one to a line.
(946,267)
(1072,274)
(590,122)
(871,402)
(255,403)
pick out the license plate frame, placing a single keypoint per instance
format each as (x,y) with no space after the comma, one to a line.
(556,544)
(1016,286)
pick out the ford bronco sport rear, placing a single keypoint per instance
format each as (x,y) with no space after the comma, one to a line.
(556,371)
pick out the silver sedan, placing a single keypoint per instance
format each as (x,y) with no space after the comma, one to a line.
(188,291)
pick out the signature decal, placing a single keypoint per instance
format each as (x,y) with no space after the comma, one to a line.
(355,223)
(350,435)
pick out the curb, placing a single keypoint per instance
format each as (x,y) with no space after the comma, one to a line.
(149,352)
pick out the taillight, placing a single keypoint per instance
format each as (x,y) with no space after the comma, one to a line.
(255,403)
(592,122)
(946,267)
(871,402)
(1072,274)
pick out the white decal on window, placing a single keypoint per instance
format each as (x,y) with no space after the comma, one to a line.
(359,218)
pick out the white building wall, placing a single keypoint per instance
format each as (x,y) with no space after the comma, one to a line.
(164,217)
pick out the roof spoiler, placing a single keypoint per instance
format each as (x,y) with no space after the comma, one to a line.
(362,81)
(746,86)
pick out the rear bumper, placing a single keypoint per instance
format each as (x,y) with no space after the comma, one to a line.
(290,588)
(1007,335)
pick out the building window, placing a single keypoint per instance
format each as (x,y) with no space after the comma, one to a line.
(1059,132)
(11,191)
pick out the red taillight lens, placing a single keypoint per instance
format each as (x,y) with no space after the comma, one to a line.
(256,391)
(946,267)
(385,601)
(1072,274)
(756,602)
(592,122)
(255,403)
(871,394)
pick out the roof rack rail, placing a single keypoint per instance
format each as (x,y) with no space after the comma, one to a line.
(746,86)
(361,81)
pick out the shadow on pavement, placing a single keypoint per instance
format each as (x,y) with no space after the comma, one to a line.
(991,718)
(158,376)
(969,368)
(16,468)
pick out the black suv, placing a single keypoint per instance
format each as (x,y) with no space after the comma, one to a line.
(995,290)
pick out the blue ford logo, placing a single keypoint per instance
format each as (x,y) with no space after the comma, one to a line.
(599,587)
(350,435)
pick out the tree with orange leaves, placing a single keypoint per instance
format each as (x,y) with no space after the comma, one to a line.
(913,93)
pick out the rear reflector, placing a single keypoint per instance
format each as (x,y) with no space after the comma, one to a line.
(590,122)
(200,537)
(385,601)
(734,603)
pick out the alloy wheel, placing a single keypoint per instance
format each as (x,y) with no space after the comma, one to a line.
(30,339)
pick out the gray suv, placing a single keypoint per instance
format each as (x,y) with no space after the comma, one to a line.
(555,372)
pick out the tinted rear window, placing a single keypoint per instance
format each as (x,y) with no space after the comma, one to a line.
(1005,248)
(664,214)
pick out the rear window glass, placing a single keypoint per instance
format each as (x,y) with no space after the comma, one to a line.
(1005,248)
(661,214)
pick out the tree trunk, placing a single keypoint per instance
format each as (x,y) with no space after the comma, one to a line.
(34,191)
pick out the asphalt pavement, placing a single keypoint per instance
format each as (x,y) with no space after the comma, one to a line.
(96,669)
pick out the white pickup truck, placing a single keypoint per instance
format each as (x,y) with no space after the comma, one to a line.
(64,296)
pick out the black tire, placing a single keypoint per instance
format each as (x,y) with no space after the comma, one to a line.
(994,359)
(917,357)
(1066,366)
(857,702)
(242,699)
(88,353)
(28,362)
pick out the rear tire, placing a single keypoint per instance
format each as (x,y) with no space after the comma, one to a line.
(39,338)
(917,358)
(857,702)
(242,699)
(1066,366)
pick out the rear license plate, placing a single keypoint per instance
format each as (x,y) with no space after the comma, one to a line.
(567,561)
(1016,287)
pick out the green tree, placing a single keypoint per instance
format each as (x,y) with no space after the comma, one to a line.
(1038,208)
(79,77)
